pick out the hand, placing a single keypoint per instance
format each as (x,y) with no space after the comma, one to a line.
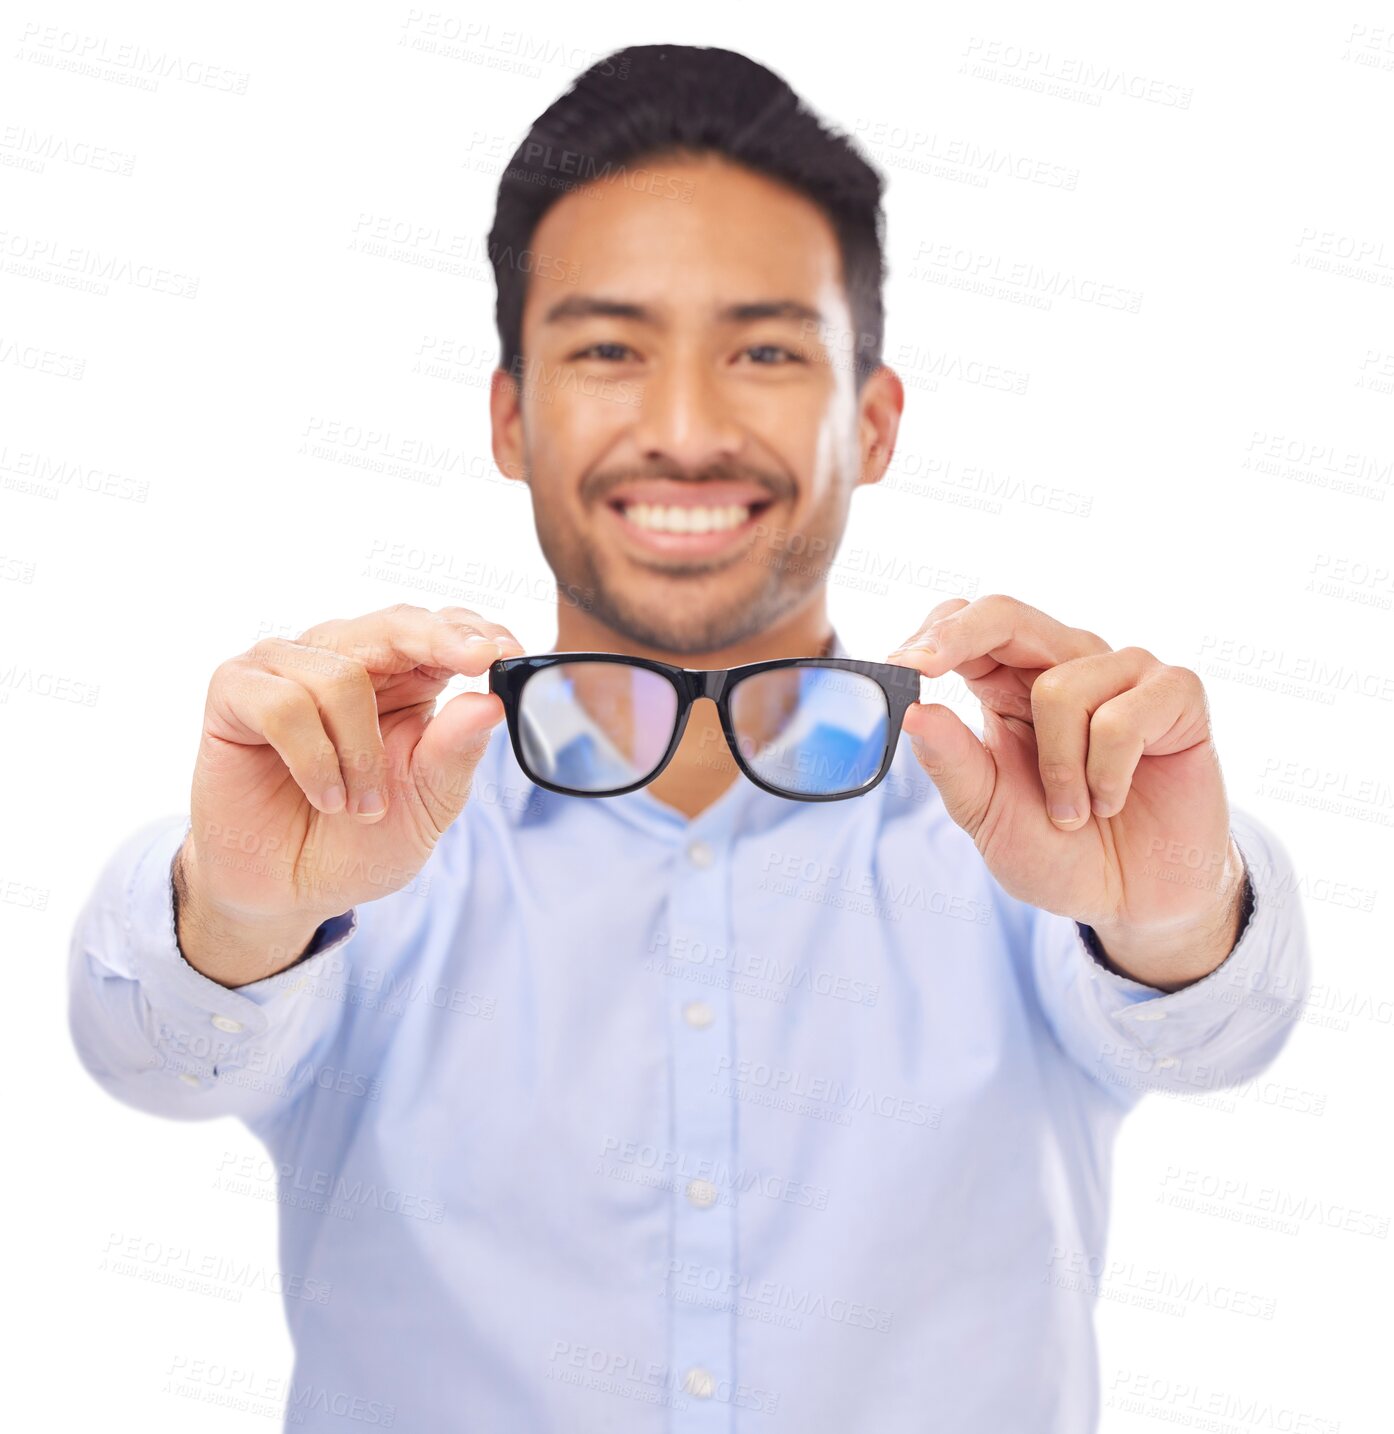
(323,779)
(1119,739)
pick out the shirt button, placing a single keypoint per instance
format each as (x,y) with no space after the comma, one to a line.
(699,1382)
(189,1078)
(1166,1063)
(698,1014)
(701,1193)
(226,1023)
(699,853)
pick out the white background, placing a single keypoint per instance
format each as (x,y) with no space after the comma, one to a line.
(1210,476)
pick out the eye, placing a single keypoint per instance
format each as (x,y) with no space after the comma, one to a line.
(765,350)
(594,351)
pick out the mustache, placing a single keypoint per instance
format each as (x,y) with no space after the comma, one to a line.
(601,485)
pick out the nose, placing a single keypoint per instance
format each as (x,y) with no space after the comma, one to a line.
(683,417)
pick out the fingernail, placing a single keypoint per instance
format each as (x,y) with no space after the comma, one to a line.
(1063,813)
(333,798)
(369,804)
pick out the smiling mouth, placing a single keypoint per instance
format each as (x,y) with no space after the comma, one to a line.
(689,517)
(692,528)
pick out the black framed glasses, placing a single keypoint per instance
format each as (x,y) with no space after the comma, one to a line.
(598,724)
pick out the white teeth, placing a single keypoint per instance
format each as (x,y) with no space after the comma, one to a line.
(662,519)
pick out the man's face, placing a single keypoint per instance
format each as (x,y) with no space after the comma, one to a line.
(688,422)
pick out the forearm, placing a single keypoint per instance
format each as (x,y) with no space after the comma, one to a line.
(159,1034)
(1155,1031)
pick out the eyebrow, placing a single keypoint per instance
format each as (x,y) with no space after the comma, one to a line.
(585,306)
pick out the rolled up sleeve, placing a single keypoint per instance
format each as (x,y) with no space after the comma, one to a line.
(163,1037)
(1219,1031)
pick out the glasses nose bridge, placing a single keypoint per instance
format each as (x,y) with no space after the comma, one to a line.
(701,683)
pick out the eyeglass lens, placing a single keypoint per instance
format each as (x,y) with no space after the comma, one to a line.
(596,726)
(813,731)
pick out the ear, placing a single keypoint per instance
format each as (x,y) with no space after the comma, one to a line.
(880,405)
(506,421)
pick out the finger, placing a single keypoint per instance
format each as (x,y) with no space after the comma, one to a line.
(1063,700)
(265,708)
(949,605)
(477,626)
(444,760)
(999,629)
(1165,713)
(398,638)
(955,760)
(343,693)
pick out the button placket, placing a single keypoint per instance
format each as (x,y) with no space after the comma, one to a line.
(703,1197)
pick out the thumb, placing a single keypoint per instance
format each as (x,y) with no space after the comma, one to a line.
(957,762)
(443,763)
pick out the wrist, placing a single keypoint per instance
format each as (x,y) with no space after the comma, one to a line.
(1170,955)
(233,947)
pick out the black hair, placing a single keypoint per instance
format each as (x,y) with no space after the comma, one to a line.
(649,101)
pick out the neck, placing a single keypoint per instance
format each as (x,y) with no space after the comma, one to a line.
(702,768)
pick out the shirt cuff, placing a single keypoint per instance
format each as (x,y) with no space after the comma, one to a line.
(1232,1020)
(195,1016)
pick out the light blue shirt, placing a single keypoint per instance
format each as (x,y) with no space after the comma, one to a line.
(786,1119)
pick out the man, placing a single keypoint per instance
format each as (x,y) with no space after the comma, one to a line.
(693,1108)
